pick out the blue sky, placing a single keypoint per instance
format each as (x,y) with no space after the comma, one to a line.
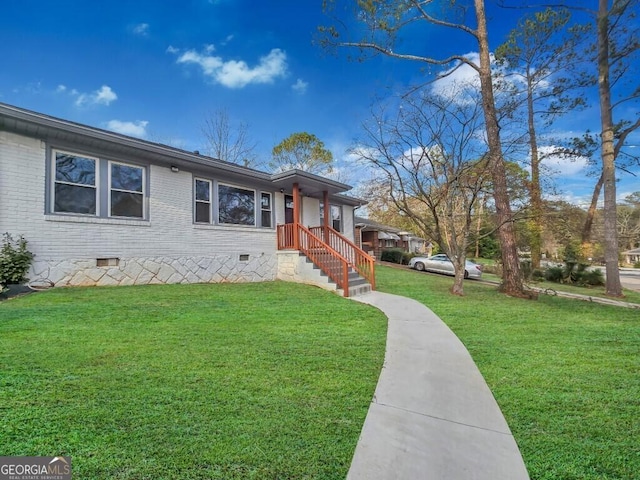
(154,69)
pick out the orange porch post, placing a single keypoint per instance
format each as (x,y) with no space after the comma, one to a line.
(327,215)
(296,216)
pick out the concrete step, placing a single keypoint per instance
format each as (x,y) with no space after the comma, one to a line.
(356,290)
(357,284)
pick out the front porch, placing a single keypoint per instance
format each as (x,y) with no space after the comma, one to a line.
(329,250)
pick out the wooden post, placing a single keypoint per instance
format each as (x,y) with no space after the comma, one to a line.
(296,216)
(327,215)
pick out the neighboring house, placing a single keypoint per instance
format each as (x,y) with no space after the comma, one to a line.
(374,237)
(100,208)
(632,256)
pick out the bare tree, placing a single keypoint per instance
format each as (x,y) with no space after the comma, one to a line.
(384,20)
(433,165)
(228,143)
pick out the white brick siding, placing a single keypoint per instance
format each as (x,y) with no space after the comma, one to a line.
(67,245)
(167,247)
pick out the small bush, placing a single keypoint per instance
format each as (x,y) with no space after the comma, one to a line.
(593,278)
(554,274)
(575,273)
(537,274)
(15,260)
(393,255)
(636,265)
(406,256)
(493,269)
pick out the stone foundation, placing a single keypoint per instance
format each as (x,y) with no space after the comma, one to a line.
(293,267)
(156,270)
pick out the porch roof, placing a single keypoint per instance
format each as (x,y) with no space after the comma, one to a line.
(311,185)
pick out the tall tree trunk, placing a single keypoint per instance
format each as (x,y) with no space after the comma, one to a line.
(512,283)
(536,197)
(612,286)
(591,213)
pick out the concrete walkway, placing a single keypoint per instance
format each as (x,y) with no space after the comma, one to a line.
(432,415)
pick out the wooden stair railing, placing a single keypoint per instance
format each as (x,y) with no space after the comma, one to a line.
(330,261)
(358,259)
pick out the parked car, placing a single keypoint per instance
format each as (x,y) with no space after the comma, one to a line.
(440,263)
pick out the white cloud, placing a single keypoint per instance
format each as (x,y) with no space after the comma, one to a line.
(172,49)
(561,164)
(237,73)
(300,86)
(133,129)
(209,48)
(141,29)
(103,96)
(451,82)
(61,89)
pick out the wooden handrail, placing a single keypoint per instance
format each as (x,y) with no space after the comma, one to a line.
(330,261)
(358,259)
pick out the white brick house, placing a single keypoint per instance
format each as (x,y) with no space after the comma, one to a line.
(99,208)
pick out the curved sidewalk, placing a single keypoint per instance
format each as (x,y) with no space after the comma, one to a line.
(432,415)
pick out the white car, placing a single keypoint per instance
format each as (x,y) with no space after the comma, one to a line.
(440,263)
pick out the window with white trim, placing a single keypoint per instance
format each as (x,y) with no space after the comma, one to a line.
(236,205)
(126,190)
(265,209)
(203,201)
(75,184)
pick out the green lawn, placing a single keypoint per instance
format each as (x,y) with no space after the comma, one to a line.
(630,296)
(566,373)
(264,381)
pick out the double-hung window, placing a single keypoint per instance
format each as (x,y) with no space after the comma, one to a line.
(85,185)
(126,190)
(75,188)
(203,201)
(265,210)
(335,214)
(336,217)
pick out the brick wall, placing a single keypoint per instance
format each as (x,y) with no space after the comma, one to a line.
(66,245)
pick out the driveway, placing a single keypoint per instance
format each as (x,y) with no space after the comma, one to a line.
(630,278)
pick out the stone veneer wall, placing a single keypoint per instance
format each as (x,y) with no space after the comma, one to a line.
(293,267)
(156,270)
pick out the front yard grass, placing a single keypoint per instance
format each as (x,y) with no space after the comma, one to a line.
(630,296)
(264,381)
(566,373)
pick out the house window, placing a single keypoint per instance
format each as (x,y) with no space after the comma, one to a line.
(94,186)
(335,212)
(75,184)
(126,190)
(203,201)
(236,205)
(265,209)
(336,217)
